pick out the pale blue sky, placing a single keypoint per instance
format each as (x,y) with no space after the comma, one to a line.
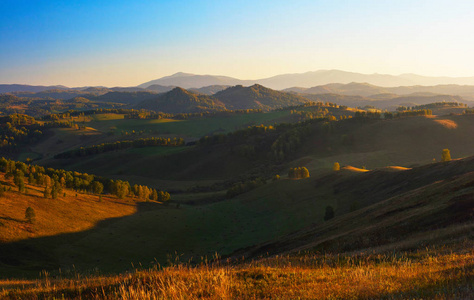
(124,43)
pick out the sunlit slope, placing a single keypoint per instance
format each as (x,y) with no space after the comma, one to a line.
(27,248)
(369,143)
(107,128)
(378,143)
(74,212)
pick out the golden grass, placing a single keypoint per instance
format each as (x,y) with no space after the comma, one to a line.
(354,169)
(395,168)
(450,124)
(420,275)
(55,216)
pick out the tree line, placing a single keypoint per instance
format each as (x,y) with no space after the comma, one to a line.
(119,145)
(17,130)
(54,181)
(390,115)
(298,173)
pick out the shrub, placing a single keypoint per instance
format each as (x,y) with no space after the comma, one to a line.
(329,213)
(445,155)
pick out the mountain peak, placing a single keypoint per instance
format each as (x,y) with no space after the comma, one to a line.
(178,91)
(179,74)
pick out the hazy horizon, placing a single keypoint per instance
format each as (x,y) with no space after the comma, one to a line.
(118,43)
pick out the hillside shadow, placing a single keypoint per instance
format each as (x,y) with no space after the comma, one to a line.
(13,219)
(27,258)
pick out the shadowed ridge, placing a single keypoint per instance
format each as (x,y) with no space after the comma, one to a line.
(428,205)
(179,100)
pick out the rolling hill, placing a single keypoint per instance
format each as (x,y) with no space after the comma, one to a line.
(369,90)
(385,101)
(130,98)
(257,97)
(279,217)
(432,205)
(179,100)
(9,88)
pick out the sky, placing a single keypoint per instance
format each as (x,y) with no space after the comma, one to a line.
(126,43)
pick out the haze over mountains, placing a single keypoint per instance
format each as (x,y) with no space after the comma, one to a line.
(297,82)
(308,79)
(203,92)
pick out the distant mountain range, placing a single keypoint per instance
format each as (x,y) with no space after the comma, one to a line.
(307,80)
(365,89)
(213,83)
(179,100)
(9,88)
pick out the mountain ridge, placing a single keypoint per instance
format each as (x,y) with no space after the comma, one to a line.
(308,79)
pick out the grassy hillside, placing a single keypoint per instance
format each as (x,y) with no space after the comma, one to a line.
(412,241)
(390,211)
(107,128)
(425,274)
(357,142)
(25,248)
(378,143)
(433,207)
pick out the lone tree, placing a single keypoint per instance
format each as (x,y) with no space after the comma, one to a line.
(30,215)
(336,167)
(329,213)
(445,155)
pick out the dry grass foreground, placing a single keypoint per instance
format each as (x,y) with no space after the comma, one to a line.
(427,274)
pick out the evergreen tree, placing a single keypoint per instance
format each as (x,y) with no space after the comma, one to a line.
(30,215)
(46,192)
(19,178)
(21,186)
(54,192)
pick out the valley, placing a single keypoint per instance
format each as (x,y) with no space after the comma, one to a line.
(234,206)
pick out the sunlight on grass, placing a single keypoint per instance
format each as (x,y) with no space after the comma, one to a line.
(106,117)
(409,275)
(157,121)
(450,124)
